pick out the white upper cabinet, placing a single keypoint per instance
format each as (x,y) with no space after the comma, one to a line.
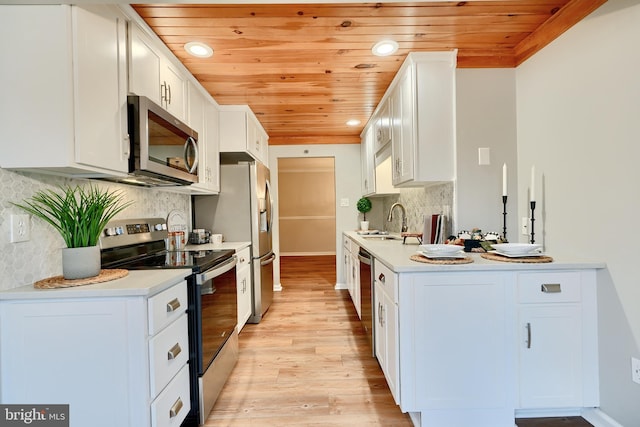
(241,132)
(423,119)
(64,110)
(153,75)
(204,119)
(366,155)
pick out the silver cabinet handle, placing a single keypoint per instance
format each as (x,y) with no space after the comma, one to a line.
(381,278)
(382,315)
(528,335)
(550,288)
(174,352)
(169,91)
(173,412)
(173,305)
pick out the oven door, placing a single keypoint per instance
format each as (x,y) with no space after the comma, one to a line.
(216,311)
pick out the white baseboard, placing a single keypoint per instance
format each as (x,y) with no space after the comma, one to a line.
(598,418)
(544,413)
(277,287)
(340,286)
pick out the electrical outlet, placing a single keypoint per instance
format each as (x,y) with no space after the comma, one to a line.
(344,202)
(524,227)
(20,228)
(635,370)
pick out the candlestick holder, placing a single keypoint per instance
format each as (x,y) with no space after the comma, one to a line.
(504,218)
(533,219)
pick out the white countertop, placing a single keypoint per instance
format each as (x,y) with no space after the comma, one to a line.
(136,283)
(396,255)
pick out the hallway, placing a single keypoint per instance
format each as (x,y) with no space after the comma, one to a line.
(308,362)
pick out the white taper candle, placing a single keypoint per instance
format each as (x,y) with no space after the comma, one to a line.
(504,179)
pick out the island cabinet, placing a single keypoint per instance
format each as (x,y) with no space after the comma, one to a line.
(152,74)
(65,108)
(557,344)
(482,347)
(115,360)
(241,132)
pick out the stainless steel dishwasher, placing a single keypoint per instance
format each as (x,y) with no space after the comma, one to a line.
(366,296)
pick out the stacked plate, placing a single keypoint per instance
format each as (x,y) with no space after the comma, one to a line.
(517,250)
(441,251)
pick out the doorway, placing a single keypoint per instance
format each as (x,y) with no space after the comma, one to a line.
(307,206)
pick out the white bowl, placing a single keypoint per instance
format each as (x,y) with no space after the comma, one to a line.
(516,248)
(440,249)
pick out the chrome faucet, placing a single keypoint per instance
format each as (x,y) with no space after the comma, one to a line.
(404,216)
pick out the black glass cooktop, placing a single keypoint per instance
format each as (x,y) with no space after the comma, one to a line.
(198,261)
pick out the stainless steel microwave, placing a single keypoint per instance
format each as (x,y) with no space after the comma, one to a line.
(164,150)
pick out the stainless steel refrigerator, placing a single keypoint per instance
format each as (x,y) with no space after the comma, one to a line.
(243,211)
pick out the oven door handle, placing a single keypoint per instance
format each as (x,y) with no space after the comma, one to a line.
(216,271)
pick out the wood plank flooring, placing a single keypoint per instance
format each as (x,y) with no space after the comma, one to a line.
(308,362)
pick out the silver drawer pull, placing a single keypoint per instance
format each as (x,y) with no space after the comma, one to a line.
(550,288)
(174,352)
(381,277)
(173,305)
(173,412)
(528,335)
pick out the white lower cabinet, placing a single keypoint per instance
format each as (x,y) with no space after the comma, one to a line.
(352,272)
(385,325)
(117,361)
(243,277)
(556,340)
(484,347)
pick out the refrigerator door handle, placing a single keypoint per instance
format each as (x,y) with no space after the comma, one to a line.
(270,210)
(268,260)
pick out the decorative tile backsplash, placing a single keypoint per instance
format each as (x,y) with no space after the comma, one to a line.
(26,262)
(418,203)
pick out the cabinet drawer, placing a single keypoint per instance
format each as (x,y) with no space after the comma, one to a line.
(166,307)
(549,287)
(387,280)
(244,258)
(168,351)
(171,407)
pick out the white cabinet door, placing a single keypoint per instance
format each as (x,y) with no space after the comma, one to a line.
(407,152)
(455,348)
(144,65)
(382,126)
(244,287)
(100,46)
(355,277)
(368,162)
(212,149)
(152,74)
(550,350)
(385,326)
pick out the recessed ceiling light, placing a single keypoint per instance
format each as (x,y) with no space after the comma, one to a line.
(198,49)
(353,122)
(385,48)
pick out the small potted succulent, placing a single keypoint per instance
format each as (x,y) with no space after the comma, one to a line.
(364,206)
(80,215)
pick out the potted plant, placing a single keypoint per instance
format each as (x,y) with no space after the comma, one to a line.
(80,215)
(364,206)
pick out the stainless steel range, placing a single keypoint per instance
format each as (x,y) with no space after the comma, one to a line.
(140,244)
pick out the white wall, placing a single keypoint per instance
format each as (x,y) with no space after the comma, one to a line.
(578,106)
(485,118)
(347,178)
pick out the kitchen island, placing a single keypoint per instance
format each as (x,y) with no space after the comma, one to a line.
(485,342)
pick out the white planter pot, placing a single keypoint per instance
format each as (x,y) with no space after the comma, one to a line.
(80,263)
(364,225)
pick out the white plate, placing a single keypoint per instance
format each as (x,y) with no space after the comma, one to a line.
(517,248)
(529,254)
(440,249)
(431,255)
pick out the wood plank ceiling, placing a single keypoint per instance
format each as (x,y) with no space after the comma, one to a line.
(305,69)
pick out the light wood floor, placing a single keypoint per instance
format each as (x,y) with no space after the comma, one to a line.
(308,363)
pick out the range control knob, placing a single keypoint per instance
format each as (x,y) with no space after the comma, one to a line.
(119,230)
(159,226)
(111,231)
